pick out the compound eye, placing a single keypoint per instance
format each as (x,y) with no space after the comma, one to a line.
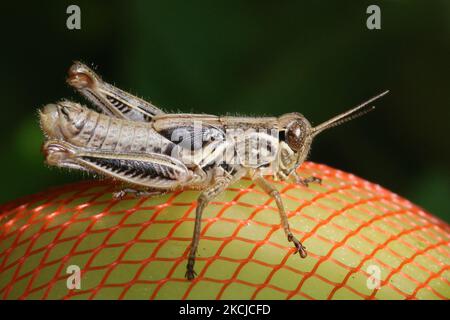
(295,134)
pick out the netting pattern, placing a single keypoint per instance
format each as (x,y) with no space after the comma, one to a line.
(137,248)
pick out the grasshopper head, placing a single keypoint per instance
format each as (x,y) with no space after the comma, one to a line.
(62,120)
(297,131)
(295,142)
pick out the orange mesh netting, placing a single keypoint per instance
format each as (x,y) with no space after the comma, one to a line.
(137,248)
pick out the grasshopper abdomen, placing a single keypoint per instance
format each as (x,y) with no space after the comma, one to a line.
(85,128)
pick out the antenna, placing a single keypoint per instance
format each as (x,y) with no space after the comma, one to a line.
(356,112)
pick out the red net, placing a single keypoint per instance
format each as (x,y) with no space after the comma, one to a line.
(137,248)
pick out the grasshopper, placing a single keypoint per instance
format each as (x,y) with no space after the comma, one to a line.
(153,152)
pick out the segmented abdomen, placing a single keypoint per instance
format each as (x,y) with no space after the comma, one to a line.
(102,132)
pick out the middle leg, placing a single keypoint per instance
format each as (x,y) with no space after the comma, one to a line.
(220,184)
(305,181)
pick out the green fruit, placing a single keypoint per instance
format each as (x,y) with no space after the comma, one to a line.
(354,231)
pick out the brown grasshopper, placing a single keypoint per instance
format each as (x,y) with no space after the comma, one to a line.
(153,152)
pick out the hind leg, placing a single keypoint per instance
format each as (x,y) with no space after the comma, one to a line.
(137,193)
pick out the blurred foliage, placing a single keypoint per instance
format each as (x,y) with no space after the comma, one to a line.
(250,58)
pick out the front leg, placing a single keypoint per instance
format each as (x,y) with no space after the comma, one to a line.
(268,188)
(219,185)
(305,181)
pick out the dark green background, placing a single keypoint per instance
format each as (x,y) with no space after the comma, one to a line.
(249,58)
